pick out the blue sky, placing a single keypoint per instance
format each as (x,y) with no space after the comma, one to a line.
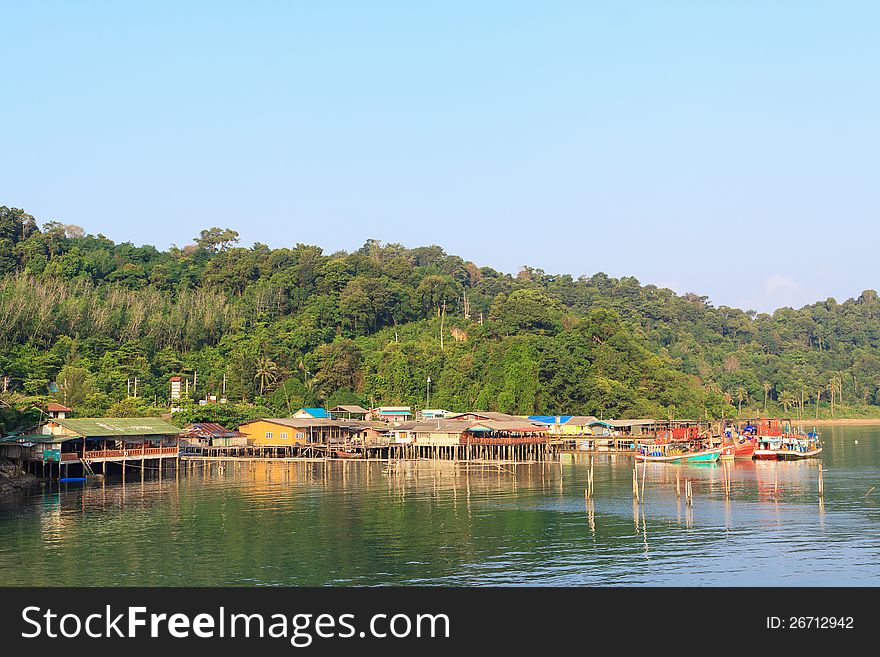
(726,148)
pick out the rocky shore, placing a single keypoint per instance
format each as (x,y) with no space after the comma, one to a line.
(12,479)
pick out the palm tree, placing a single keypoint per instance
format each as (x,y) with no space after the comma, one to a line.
(767,386)
(787,400)
(740,396)
(314,388)
(267,372)
(728,399)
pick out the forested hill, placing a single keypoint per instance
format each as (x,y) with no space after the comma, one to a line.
(81,317)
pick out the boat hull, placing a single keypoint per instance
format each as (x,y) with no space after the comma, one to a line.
(706,456)
(744,450)
(785,454)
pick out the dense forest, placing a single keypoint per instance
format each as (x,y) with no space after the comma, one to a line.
(101,327)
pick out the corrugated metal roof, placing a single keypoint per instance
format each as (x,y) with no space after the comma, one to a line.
(41,438)
(489,415)
(512,425)
(632,423)
(551,419)
(581,420)
(210,430)
(116,426)
(315,412)
(348,408)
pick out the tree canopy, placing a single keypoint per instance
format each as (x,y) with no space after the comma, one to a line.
(81,317)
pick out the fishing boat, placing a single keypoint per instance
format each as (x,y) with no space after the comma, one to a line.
(788,447)
(344,454)
(742,448)
(677,453)
(738,443)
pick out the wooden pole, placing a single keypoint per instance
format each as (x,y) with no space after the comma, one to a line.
(821,483)
(644,473)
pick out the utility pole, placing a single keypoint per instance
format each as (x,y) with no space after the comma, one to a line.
(128,389)
(224,385)
(135,387)
(428,396)
(195,380)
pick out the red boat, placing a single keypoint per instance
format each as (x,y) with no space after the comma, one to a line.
(741,448)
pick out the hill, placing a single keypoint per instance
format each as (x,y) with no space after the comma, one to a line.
(82,317)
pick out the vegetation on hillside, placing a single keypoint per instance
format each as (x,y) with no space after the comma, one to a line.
(82,317)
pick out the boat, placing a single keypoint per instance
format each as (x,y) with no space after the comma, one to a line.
(788,447)
(343,454)
(677,453)
(738,450)
(737,445)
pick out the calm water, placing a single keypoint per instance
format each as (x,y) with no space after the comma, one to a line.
(440,523)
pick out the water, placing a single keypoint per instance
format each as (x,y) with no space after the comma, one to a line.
(354,523)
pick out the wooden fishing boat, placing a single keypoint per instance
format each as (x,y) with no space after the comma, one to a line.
(744,448)
(788,448)
(677,453)
(343,454)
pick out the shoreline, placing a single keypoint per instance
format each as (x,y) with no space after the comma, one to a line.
(844,422)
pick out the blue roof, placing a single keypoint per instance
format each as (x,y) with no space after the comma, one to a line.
(316,412)
(551,419)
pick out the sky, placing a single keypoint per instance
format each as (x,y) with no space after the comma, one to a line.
(730,149)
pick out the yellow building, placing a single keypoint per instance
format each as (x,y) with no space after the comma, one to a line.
(280,432)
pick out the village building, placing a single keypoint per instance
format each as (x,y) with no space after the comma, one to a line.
(312,436)
(633,427)
(476,416)
(57,411)
(349,412)
(198,437)
(567,425)
(390,414)
(434,414)
(313,413)
(431,432)
(92,444)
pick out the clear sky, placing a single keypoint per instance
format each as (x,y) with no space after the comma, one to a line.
(725,148)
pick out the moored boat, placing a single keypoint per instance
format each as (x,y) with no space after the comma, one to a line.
(677,453)
(788,448)
(742,448)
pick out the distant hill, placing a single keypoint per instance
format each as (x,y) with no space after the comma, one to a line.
(81,317)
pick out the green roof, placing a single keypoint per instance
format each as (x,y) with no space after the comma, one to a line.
(118,426)
(34,438)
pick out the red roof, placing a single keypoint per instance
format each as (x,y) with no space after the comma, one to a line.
(57,408)
(175,378)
